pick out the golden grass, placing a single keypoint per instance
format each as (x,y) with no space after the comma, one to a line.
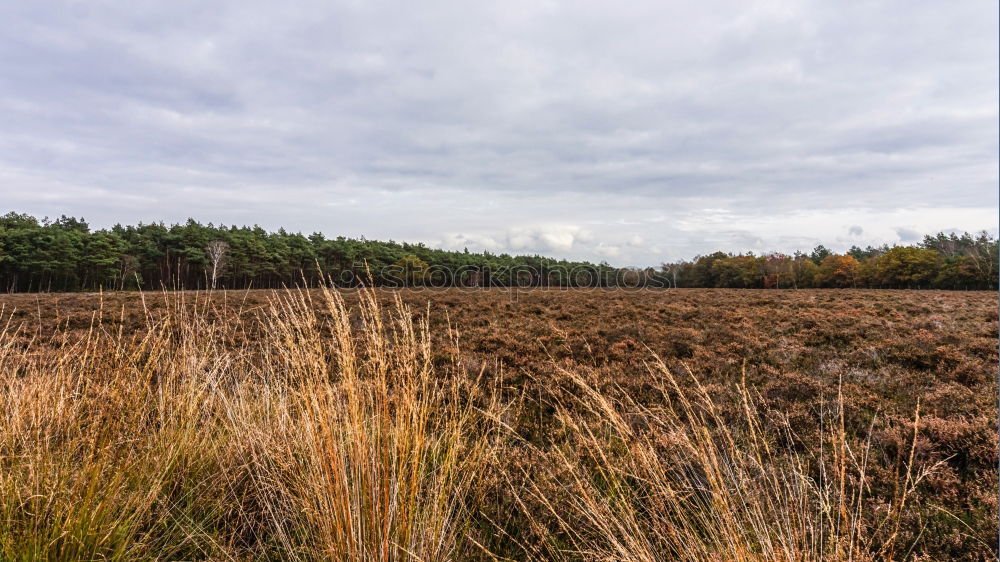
(311,431)
(321,440)
(681,481)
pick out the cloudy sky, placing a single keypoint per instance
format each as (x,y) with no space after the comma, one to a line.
(633,132)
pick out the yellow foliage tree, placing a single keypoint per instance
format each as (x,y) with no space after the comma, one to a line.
(838,270)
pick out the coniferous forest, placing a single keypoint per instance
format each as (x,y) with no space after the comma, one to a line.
(67,255)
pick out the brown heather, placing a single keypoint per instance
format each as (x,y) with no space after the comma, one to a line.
(486,425)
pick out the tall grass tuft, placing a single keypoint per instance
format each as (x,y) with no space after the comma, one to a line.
(682,481)
(383,450)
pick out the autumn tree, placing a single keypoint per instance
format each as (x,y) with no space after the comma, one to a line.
(778,270)
(903,267)
(838,270)
(803,271)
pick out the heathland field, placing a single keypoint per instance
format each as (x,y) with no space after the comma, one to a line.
(693,424)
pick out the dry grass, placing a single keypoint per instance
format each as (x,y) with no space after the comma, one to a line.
(322,440)
(681,481)
(309,428)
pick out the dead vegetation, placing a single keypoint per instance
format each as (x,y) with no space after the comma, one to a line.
(697,425)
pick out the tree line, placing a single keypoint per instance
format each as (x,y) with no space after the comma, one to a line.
(942,261)
(65,254)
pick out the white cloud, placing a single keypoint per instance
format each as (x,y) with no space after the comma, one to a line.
(551,238)
(608,251)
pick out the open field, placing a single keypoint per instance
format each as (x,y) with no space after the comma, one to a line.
(474,424)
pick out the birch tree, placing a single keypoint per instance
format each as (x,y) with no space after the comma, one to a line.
(217,252)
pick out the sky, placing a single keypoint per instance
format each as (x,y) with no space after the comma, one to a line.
(633,133)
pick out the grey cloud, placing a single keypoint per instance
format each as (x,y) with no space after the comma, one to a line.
(351,117)
(908,234)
